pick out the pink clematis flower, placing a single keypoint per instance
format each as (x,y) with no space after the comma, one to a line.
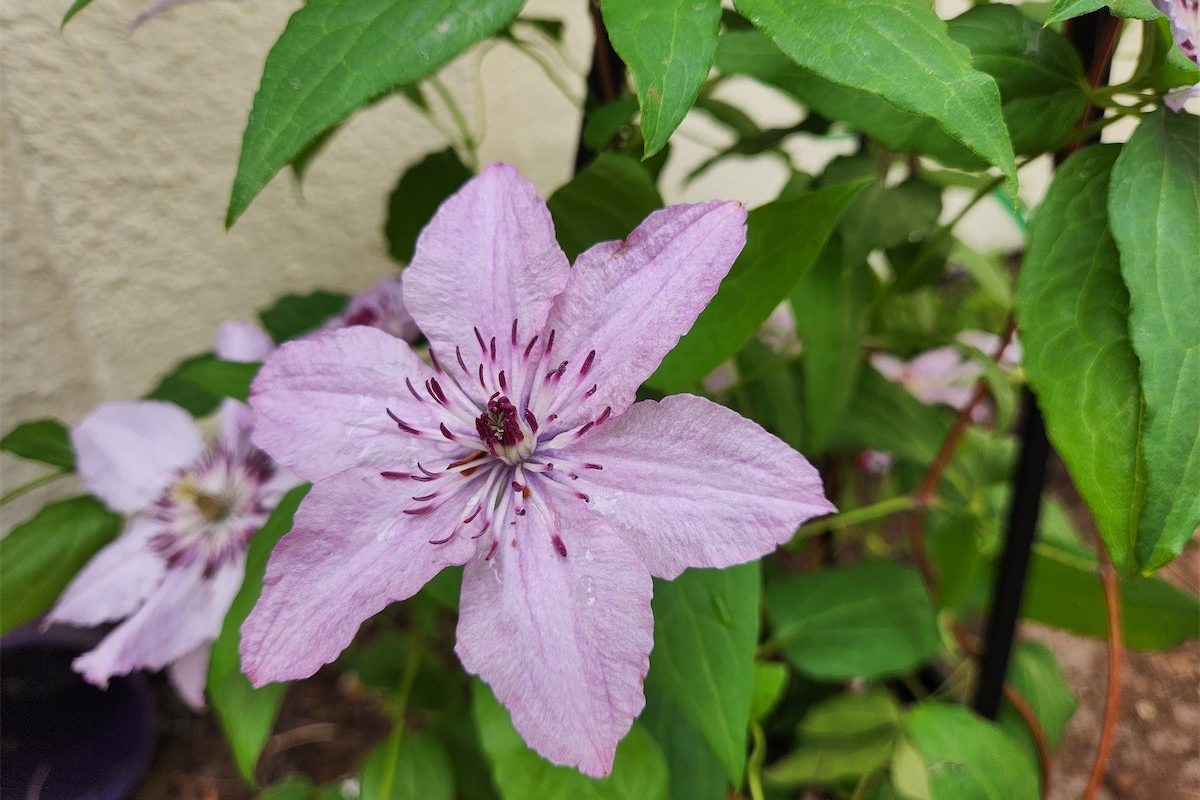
(945,375)
(1184,16)
(520,453)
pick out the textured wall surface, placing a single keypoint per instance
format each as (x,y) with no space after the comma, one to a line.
(117,152)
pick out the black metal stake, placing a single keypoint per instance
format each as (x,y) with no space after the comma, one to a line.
(605,81)
(1090,34)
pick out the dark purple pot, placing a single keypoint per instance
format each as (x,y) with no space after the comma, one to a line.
(60,737)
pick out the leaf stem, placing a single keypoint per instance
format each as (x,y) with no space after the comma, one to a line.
(1112,700)
(856,516)
(398,711)
(29,486)
(754,763)
(460,120)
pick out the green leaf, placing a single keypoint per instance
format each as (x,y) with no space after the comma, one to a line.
(964,757)
(247,714)
(770,392)
(199,383)
(76,7)
(296,314)
(831,301)
(334,57)
(1160,64)
(420,191)
(890,216)
(603,124)
(849,736)
(1131,9)
(604,202)
(696,772)
(639,772)
(751,53)
(899,51)
(45,440)
(883,416)
(770,681)
(1073,310)
(867,620)
(1039,73)
(1154,206)
(1034,673)
(408,766)
(669,46)
(705,634)
(783,240)
(293,787)
(39,557)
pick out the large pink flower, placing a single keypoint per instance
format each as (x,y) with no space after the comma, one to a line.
(521,453)
(1184,16)
(173,572)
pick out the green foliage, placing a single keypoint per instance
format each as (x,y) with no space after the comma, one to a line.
(1153,206)
(1033,672)
(605,201)
(669,47)
(951,754)
(75,8)
(639,772)
(198,384)
(45,440)
(419,192)
(913,65)
(847,737)
(705,633)
(294,315)
(695,771)
(39,557)
(867,620)
(783,240)
(247,714)
(408,766)
(770,681)
(1073,309)
(334,57)
(1063,10)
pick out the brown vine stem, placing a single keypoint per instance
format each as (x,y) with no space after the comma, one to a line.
(927,488)
(1029,716)
(1112,700)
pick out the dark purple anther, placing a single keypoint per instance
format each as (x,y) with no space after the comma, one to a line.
(408,382)
(492,349)
(558,545)
(394,476)
(607,413)
(446,432)
(404,426)
(437,391)
(503,382)
(587,363)
(514,334)
(531,420)
(433,359)
(461,363)
(584,429)
(529,346)
(550,342)
(479,338)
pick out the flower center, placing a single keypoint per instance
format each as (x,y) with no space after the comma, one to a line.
(501,430)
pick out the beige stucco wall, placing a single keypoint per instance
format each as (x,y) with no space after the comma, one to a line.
(117,153)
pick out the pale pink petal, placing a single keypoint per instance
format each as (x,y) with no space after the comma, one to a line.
(1177,99)
(128,452)
(239,340)
(1185,25)
(723,377)
(563,640)
(351,551)
(942,376)
(321,405)
(237,424)
(185,611)
(631,301)
(889,366)
(987,344)
(381,306)
(189,676)
(116,581)
(488,257)
(689,483)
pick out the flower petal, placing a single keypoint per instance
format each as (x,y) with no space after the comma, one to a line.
(351,552)
(321,405)
(381,306)
(689,483)
(631,301)
(487,257)
(184,612)
(128,452)
(564,641)
(189,676)
(239,340)
(116,581)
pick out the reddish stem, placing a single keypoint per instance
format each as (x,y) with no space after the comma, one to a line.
(1112,700)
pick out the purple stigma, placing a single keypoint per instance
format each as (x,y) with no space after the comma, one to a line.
(499,426)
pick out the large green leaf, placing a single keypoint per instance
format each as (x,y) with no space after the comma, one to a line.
(408,766)
(883,416)
(247,714)
(867,620)
(1068,9)
(296,314)
(753,54)
(39,557)
(199,383)
(639,771)
(1154,208)
(334,57)
(849,736)
(830,301)
(962,757)
(419,192)
(45,440)
(669,46)
(705,634)
(1038,71)
(783,239)
(603,202)
(696,772)
(899,51)
(1034,673)
(1073,310)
